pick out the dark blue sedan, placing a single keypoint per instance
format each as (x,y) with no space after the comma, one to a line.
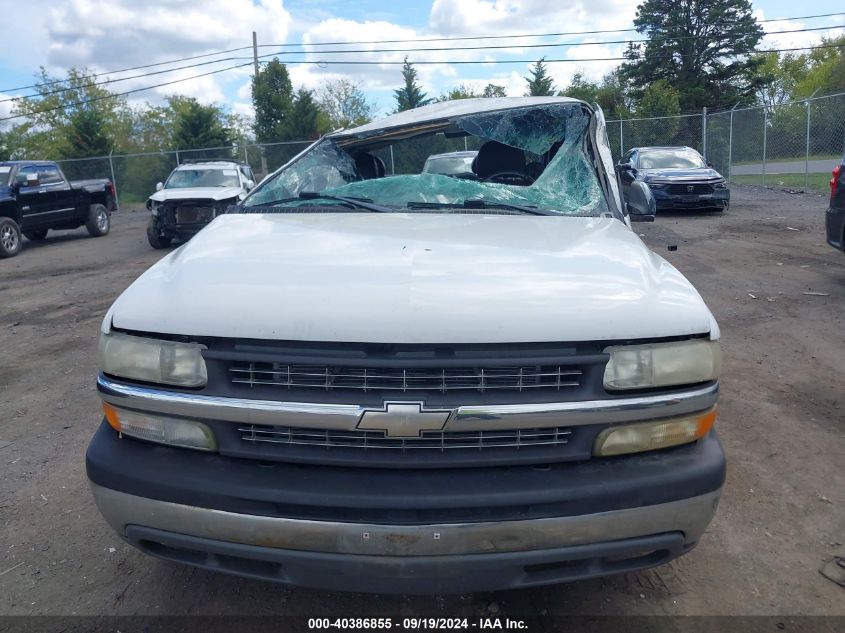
(678,176)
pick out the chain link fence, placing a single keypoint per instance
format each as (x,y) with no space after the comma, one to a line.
(136,175)
(793,145)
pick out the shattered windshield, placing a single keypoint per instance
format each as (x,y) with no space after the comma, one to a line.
(533,157)
(182,178)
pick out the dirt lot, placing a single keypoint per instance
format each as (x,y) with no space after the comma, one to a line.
(782,424)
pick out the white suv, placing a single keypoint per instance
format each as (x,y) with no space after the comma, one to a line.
(192,196)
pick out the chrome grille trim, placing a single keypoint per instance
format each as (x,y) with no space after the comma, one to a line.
(444,379)
(347,416)
(432,440)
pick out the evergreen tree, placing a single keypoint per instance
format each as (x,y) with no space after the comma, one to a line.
(272,98)
(197,126)
(410,95)
(303,120)
(86,135)
(539,83)
(701,47)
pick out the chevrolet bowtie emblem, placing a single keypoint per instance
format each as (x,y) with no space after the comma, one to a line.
(404,419)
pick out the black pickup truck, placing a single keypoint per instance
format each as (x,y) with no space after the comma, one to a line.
(35,197)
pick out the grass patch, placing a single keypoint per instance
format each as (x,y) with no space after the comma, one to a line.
(797,159)
(819,183)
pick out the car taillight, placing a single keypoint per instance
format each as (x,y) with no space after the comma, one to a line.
(835,180)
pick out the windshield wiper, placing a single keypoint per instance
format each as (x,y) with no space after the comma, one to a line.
(478,203)
(355,203)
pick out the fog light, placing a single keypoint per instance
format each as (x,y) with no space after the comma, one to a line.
(161,429)
(649,436)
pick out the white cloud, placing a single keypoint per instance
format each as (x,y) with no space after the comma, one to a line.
(107,34)
(793,40)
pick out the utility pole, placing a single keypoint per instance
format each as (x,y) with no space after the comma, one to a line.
(731,144)
(255,52)
(261,148)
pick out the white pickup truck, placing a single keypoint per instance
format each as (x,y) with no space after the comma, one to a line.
(371,378)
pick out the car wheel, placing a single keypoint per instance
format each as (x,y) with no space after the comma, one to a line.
(36,235)
(98,222)
(154,236)
(10,238)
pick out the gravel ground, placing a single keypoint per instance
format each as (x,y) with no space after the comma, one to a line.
(782,425)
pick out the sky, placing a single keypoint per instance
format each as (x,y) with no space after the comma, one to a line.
(109,35)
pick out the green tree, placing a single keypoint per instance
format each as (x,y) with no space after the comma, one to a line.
(825,69)
(86,135)
(410,95)
(780,74)
(659,100)
(45,123)
(494,90)
(272,98)
(539,82)
(198,126)
(303,122)
(704,48)
(464,91)
(344,104)
(581,88)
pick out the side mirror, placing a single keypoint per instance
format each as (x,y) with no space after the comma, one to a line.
(159,186)
(249,184)
(640,203)
(709,164)
(625,166)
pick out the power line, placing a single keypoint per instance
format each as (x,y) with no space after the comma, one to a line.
(324,63)
(410,40)
(123,70)
(472,48)
(367,62)
(122,94)
(500,37)
(542,45)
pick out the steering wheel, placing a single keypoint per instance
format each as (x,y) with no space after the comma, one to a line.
(525,178)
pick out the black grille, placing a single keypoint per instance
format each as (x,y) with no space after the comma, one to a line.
(399,379)
(431,440)
(689,189)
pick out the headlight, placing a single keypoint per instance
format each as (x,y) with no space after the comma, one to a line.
(152,360)
(657,185)
(721,184)
(662,364)
(162,429)
(649,436)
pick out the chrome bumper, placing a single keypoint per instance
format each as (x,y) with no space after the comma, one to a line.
(688,516)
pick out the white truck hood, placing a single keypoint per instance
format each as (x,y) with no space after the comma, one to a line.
(197,193)
(414,278)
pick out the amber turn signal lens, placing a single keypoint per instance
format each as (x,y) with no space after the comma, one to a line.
(648,436)
(112,417)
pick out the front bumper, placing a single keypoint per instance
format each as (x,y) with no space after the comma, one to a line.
(407,531)
(719,199)
(834,220)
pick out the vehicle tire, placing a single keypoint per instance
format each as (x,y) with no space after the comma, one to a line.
(99,221)
(154,236)
(11,239)
(36,235)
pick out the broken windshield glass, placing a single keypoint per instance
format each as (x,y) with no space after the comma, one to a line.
(528,156)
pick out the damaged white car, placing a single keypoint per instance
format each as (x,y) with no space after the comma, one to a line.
(193,195)
(372,378)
